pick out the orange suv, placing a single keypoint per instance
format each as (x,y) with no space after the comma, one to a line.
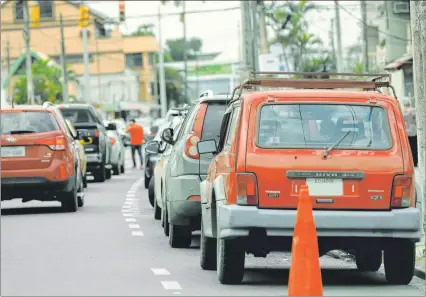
(38,157)
(349,147)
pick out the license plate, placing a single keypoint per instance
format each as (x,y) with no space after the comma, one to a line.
(13,151)
(327,187)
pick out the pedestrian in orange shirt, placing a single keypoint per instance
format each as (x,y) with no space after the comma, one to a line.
(136,140)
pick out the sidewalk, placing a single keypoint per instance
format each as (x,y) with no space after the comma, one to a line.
(420,260)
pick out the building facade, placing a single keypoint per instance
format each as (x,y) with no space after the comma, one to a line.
(122,63)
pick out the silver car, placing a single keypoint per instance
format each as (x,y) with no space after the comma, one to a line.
(117,152)
(185,169)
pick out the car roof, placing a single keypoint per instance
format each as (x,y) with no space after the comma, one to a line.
(75,105)
(339,95)
(19,108)
(216,98)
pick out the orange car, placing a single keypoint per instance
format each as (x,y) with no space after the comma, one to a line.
(38,157)
(349,147)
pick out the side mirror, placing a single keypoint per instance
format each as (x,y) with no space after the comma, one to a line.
(207,146)
(152,147)
(111,127)
(167,135)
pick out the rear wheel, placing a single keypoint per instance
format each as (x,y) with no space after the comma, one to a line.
(122,169)
(108,174)
(368,260)
(80,194)
(69,201)
(208,259)
(399,258)
(151,193)
(157,210)
(230,261)
(146,182)
(180,236)
(100,174)
(116,170)
(85,181)
(165,222)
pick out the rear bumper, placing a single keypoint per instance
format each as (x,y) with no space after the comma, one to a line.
(237,221)
(22,187)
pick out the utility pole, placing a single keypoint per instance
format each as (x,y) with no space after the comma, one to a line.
(185,49)
(263,34)
(163,95)
(247,35)
(27,38)
(255,35)
(332,41)
(365,34)
(9,93)
(84,19)
(339,38)
(63,63)
(418,31)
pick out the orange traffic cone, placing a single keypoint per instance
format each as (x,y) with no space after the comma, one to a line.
(305,272)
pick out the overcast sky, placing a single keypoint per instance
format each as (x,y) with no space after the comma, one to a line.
(219,30)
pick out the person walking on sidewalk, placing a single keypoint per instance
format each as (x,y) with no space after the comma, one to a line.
(136,140)
(410,122)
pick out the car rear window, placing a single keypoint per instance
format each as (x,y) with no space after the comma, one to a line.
(78,116)
(213,121)
(319,126)
(28,122)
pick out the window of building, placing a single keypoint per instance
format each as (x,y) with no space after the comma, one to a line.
(151,58)
(134,60)
(46,9)
(19,10)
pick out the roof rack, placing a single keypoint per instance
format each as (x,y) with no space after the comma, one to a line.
(310,80)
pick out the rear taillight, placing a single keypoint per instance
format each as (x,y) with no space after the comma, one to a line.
(112,139)
(96,133)
(246,189)
(402,191)
(191,147)
(54,143)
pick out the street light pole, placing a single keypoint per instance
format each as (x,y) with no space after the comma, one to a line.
(27,34)
(163,95)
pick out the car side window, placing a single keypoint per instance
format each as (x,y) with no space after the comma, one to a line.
(64,125)
(232,126)
(223,130)
(187,128)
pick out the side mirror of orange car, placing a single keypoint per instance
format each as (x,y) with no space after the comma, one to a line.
(207,146)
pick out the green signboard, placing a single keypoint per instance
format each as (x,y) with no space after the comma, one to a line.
(223,69)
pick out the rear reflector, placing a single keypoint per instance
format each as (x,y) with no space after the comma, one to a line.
(402,191)
(54,143)
(112,139)
(63,172)
(246,189)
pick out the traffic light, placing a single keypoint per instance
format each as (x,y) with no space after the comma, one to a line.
(122,10)
(84,16)
(35,16)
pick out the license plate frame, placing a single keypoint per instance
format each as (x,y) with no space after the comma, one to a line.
(13,152)
(325,187)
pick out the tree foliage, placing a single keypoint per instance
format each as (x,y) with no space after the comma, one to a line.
(176,47)
(47,83)
(144,30)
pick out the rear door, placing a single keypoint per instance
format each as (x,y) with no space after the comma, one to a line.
(287,143)
(21,130)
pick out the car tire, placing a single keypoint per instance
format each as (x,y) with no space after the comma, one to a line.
(69,201)
(399,259)
(108,174)
(180,236)
(146,182)
(208,255)
(166,225)
(122,169)
(230,261)
(116,170)
(85,181)
(151,192)
(157,210)
(368,260)
(80,199)
(100,174)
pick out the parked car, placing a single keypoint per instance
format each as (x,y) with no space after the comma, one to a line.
(152,155)
(186,169)
(118,152)
(121,129)
(98,148)
(38,157)
(350,148)
(80,151)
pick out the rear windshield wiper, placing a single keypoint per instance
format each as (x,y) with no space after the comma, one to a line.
(329,149)
(22,132)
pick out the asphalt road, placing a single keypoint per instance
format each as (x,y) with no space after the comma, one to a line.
(106,249)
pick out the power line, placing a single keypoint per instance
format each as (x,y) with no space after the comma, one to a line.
(364,23)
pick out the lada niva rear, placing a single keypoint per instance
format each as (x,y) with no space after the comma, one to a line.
(349,147)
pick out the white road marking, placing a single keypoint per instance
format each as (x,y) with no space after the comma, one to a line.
(127,214)
(126,206)
(131,192)
(137,233)
(160,271)
(130,195)
(130,220)
(130,202)
(171,285)
(134,226)
(132,199)
(176,293)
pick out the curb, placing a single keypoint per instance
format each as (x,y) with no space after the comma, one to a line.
(340,255)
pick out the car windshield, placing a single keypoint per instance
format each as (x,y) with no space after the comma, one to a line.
(320,126)
(78,116)
(27,122)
